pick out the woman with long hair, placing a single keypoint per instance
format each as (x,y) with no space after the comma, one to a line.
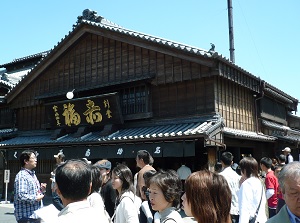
(207,197)
(251,195)
(95,198)
(127,204)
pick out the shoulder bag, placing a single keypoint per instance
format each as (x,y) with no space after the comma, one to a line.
(253,219)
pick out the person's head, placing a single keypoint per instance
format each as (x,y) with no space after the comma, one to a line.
(289,181)
(143,158)
(249,167)
(281,158)
(147,175)
(265,163)
(274,161)
(96,179)
(164,190)
(73,180)
(122,179)
(105,167)
(286,150)
(28,159)
(278,168)
(207,197)
(226,159)
(59,157)
(86,160)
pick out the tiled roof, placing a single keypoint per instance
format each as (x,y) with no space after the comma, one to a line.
(37,55)
(164,131)
(17,75)
(236,133)
(5,131)
(275,125)
(8,84)
(3,81)
(278,95)
(288,138)
(286,133)
(150,38)
(161,131)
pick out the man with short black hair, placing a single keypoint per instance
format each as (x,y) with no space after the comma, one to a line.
(281,159)
(271,183)
(27,189)
(144,160)
(233,181)
(73,180)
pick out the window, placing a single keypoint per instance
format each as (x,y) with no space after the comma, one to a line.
(134,100)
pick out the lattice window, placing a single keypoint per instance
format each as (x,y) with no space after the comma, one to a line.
(134,100)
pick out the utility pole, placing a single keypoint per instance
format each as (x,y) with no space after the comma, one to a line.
(231,39)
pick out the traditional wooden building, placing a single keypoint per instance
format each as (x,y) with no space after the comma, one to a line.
(129,91)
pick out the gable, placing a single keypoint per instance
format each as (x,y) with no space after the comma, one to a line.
(112,34)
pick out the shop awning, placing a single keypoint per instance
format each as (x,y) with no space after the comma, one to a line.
(157,149)
(168,138)
(167,130)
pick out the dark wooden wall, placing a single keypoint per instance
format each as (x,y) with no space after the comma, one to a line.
(183,98)
(6,117)
(178,87)
(236,104)
(95,62)
(31,117)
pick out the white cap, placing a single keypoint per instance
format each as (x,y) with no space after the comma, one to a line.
(86,160)
(59,155)
(286,149)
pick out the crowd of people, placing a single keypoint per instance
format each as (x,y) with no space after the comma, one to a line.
(261,191)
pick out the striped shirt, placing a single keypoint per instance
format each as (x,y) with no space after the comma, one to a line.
(26,189)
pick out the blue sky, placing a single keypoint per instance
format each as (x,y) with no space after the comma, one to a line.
(266,33)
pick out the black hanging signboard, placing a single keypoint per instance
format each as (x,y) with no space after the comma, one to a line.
(90,111)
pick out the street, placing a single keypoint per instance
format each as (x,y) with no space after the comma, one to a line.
(7,213)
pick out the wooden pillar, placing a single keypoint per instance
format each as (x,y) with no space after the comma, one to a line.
(211,157)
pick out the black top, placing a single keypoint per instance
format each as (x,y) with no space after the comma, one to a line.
(143,217)
(109,195)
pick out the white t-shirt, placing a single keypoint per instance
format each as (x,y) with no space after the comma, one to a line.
(233,180)
(81,211)
(249,197)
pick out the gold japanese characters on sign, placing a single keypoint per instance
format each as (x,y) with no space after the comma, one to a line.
(88,111)
(92,114)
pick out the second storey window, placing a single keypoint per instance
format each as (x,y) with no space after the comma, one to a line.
(134,100)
